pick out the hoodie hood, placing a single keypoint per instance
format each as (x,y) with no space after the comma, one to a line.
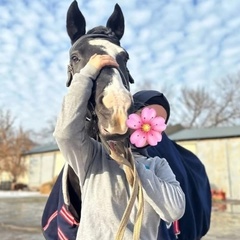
(147,97)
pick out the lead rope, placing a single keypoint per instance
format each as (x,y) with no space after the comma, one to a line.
(124,156)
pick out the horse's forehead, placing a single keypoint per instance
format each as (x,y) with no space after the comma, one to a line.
(108,47)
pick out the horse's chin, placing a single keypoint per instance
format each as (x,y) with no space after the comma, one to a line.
(114,137)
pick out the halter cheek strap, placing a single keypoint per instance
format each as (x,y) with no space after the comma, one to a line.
(125,81)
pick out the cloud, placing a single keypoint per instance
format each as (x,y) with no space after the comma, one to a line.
(177,43)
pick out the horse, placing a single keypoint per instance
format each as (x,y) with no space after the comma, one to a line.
(108,108)
(111,101)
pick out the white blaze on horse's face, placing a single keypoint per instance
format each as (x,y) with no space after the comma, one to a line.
(116,97)
(118,100)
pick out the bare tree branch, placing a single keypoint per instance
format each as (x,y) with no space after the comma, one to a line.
(205,107)
(12,144)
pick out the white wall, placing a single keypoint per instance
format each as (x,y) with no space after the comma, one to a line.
(221,158)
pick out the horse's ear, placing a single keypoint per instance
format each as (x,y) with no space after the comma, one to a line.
(116,22)
(76,24)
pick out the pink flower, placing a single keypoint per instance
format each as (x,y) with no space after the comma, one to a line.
(148,128)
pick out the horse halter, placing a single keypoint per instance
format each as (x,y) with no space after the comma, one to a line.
(91,114)
(112,38)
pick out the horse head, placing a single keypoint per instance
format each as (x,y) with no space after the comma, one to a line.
(111,100)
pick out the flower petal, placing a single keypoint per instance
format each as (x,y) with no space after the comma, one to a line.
(148,114)
(158,124)
(153,137)
(134,121)
(138,138)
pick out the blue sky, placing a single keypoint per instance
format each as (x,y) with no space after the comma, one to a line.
(171,43)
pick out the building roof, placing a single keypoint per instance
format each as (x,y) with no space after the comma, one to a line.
(43,148)
(205,133)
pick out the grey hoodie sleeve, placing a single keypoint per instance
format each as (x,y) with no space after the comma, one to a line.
(161,189)
(73,141)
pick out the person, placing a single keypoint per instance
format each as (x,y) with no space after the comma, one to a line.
(189,171)
(104,196)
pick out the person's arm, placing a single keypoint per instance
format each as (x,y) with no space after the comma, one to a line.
(73,141)
(161,189)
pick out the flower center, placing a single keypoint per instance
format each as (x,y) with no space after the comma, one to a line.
(146,127)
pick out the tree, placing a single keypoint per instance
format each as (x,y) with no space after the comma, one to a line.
(13,143)
(193,108)
(208,107)
(227,98)
(6,123)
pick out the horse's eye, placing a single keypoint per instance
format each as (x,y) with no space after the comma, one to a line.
(75,59)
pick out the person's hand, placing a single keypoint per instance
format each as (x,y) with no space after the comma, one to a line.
(100,61)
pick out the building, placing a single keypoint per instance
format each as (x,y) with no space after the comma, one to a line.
(218,148)
(45,162)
